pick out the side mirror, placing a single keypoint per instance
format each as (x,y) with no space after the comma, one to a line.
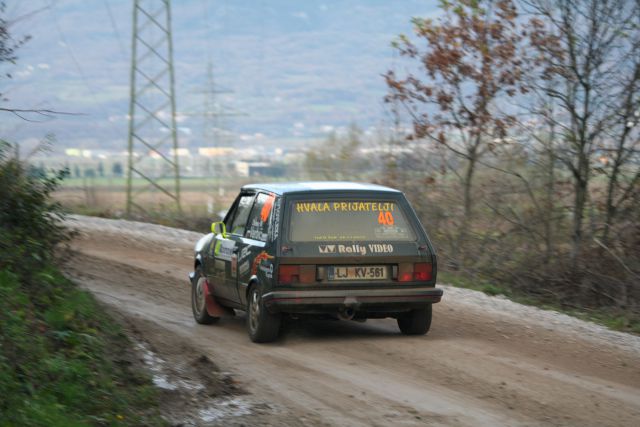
(219,228)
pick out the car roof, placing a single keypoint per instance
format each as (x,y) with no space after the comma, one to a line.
(318,186)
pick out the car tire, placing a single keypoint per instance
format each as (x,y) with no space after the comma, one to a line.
(261,325)
(198,301)
(416,322)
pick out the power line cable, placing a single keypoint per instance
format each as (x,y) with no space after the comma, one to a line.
(208,45)
(114,27)
(27,15)
(77,65)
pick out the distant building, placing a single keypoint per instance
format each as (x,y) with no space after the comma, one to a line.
(216,151)
(259,169)
(180,152)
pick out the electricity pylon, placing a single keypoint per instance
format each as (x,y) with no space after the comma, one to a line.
(212,114)
(152,104)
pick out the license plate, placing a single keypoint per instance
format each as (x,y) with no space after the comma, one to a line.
(367,272)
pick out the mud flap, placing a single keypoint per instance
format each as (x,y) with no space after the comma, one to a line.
(213,308)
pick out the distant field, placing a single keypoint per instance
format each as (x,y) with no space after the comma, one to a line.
(198,196)
(203,183)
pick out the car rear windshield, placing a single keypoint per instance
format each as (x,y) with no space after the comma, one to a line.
(347,220)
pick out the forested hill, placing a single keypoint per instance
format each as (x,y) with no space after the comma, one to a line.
(296,69)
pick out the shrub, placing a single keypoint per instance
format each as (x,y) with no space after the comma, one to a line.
(30,225)
(61,356)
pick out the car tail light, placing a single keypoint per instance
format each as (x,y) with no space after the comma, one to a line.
(288,274)
(307,273)
(422,271)
(418,272)
(292,274)
(405,272)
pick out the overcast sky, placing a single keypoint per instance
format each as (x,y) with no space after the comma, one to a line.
(295,70)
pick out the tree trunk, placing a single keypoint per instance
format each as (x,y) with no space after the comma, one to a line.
(610,208)
(467,183)
(549,207)
(580,201)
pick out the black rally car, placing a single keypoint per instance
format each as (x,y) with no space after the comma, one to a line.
(342,249)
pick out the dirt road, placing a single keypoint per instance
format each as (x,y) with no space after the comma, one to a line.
(485,362)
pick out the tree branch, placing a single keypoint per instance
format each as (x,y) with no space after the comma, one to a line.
(46,113)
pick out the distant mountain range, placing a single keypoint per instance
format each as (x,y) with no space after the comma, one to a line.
(294,69)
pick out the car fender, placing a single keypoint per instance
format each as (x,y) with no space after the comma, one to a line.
(244,289)
(197,262)
(202,242)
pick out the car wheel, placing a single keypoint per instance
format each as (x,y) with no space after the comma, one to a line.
(198,300)
(262,325)
(416,322)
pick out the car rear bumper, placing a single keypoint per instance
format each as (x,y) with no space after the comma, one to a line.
(366,300)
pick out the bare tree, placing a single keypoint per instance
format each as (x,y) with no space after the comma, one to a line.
(536,126)
(588,46)
(621,157)
(468,60)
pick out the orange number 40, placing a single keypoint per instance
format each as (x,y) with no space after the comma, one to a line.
(385,218)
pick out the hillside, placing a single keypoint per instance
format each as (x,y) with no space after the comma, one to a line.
(296,69)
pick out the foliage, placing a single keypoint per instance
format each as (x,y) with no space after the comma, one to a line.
(468,60)
(556,191)
(30,225)
(58,359)
(8,44)
(61,357)
(508,243)
(471,56)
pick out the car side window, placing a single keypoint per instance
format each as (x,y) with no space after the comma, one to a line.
(239,221)
(259,219)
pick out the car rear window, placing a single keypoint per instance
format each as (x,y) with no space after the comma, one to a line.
(347,220)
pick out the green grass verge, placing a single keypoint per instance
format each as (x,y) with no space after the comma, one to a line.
(611,318)
(64,361)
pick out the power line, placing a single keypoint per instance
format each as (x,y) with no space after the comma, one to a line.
(77,65)
(26,16)
(114,27)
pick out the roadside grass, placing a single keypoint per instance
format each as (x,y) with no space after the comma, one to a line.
(63,361)
(611,318)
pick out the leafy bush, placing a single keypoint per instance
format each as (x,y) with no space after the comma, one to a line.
(30,225)
(63,361)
